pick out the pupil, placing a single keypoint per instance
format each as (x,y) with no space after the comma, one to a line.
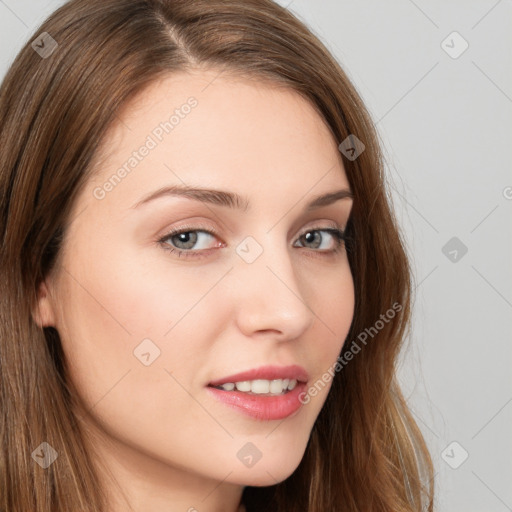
(310,236)
(187,238)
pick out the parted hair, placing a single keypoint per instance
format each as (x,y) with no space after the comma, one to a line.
(365,452)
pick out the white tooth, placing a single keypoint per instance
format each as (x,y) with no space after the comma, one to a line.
(260,386)
(243,386)
(276,386)
(292,384)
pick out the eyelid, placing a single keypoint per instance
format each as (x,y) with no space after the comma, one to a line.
(213,231)
(190,227)
(329,224)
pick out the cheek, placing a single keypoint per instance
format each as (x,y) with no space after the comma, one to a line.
(110,311)
(334,309)
(120,309)
(334,301)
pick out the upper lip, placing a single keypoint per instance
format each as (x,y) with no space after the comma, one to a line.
(266,373)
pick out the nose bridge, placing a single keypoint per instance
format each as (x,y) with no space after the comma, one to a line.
(269,295)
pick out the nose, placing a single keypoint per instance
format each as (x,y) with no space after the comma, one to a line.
(269,296)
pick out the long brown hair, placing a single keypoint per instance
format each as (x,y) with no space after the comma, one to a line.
(365,452)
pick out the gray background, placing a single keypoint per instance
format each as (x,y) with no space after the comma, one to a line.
(444,124)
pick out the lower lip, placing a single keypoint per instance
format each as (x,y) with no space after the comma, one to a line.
(262,407)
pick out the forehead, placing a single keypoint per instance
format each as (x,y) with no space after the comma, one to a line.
(211,128)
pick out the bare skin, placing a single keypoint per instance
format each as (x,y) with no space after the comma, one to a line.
(162,441)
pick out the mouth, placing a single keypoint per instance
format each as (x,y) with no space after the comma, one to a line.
(264,387)
(263,381)
(283,399)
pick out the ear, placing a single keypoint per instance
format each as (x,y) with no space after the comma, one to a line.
(43,314)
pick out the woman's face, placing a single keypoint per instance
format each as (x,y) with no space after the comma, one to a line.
(145,328)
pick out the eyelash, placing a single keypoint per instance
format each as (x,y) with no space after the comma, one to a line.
(338,234)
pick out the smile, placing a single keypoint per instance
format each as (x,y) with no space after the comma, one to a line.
(274,387)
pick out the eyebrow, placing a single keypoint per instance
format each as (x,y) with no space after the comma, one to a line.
(232,199)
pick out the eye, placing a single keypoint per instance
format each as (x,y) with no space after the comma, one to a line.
(185,241)
(312,236)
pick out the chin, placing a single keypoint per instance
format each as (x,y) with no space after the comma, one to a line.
(270,473)
(262,479)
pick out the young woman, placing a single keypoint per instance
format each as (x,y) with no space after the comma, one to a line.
(204,287)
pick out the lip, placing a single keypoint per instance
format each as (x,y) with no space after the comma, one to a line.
(262,407)
(268,372)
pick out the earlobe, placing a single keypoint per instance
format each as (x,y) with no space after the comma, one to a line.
(43,314)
